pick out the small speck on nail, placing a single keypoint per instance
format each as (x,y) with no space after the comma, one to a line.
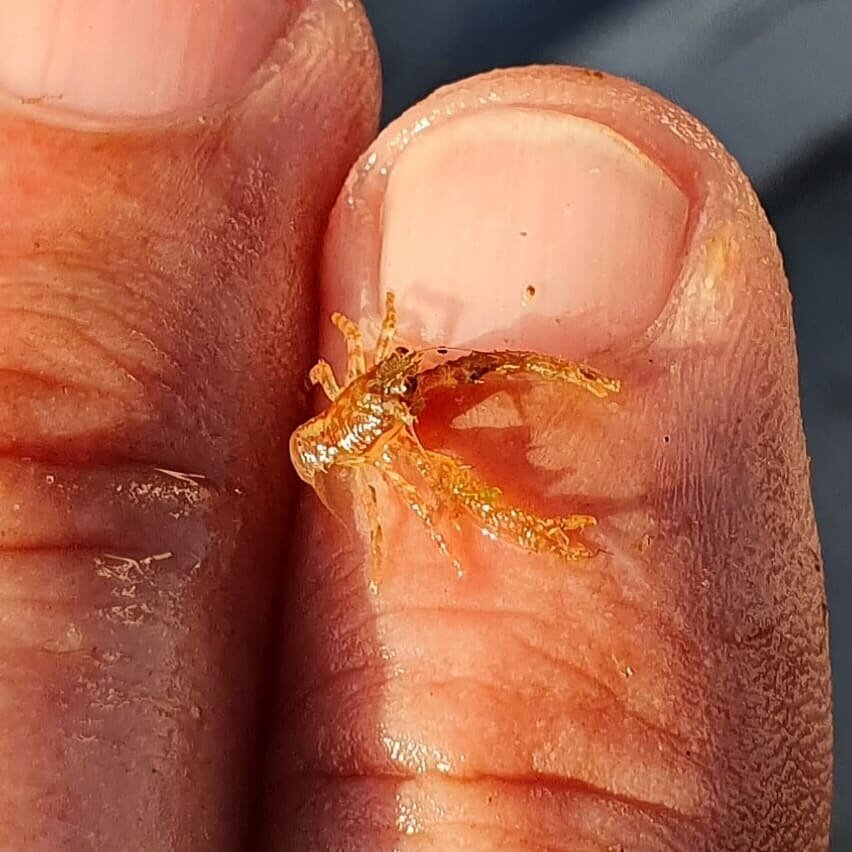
(528,296)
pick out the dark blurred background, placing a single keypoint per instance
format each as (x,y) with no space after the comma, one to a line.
(773,80)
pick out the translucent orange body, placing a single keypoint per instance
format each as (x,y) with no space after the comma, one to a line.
(371,421)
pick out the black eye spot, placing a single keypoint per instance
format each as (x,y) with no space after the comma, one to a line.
(442,350)
(402,350)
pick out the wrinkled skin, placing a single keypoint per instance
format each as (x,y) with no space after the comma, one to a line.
(179,623)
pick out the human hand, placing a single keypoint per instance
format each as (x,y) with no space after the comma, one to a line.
(189,661)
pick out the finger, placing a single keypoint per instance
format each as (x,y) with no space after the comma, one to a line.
(156,293)
(673,690)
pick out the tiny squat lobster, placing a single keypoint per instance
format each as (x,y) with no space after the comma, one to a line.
(370,424)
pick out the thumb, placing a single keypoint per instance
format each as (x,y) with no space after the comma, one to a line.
(672,691)
(165,175)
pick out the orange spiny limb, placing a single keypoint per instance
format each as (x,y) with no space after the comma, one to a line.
(496,517)
(321,374)
(384,343)
(377,544)
(356,362)
(418,506)
(475,366)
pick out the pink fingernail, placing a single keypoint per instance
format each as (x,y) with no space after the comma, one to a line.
(514,227)
(135,57)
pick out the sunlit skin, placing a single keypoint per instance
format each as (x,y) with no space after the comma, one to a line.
(190,655)
(370,426)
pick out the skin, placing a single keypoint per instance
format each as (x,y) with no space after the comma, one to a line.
(176,626)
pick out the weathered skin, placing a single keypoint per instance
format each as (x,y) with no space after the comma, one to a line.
(150,273)
(157,289)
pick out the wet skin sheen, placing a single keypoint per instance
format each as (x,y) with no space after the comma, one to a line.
(177,625)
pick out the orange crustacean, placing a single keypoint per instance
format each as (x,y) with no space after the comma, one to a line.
(371,421)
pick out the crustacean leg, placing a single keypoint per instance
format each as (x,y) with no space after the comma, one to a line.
(356,361)
(456,488)
(473,367)
(458,483)
(377,544)
(414,500)
(321,374)
(384,343)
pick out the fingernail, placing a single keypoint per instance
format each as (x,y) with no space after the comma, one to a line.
(134,57)
(515,227)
